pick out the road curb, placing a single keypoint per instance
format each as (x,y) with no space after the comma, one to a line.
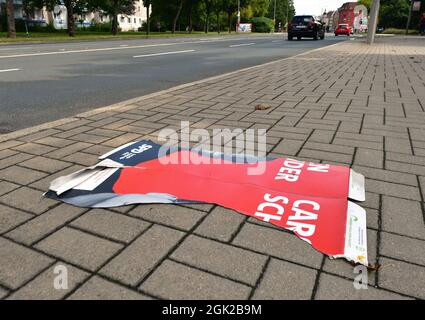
(114,107)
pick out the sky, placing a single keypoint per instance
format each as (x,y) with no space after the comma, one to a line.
(316,7)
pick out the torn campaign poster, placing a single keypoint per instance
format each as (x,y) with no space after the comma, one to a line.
(307,198)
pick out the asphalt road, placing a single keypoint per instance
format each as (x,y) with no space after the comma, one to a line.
(46,82)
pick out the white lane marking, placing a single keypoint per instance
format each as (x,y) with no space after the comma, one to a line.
(119,48)
(242,45)
(9,70)
(15,48)
(162,53)
(210,39)
(123,45)
(276,41)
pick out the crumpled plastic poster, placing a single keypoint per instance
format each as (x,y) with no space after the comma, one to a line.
(307,198)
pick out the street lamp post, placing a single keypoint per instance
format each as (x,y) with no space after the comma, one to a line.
(373,21)
(287,15)
(410,17)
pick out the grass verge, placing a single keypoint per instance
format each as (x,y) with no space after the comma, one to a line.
(62,36)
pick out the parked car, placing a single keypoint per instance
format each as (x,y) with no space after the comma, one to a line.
(343,29)
(305,26)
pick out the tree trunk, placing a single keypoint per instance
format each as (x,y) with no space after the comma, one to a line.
(70,16)
(207,19)
(229,20)
(177,16)
(148,27)
(190,16)
(115,24)
(218,22)
(11,30)
(1,10)
(115,11)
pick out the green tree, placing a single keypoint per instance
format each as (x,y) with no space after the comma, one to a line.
(218,7)
(366,3)
(192,7)
(230,7)
(259,7)
(208,4)
(177,15)
(394,13)
(285,10)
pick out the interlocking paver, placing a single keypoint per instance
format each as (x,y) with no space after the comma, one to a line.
(288,147)
(79,248)
(21,175)
(55,142)
(368,115)
(141,256)
(28,199)
(334,288)
(45,164)
(284,280)
(3,293)
(7,153)
(9,144)
(34,230)
(220,224)
(323,136)
(404,248)
(175,281)
(19,264)
(6,186)
(170,215)
(226,260)
(402,277)
(68,150)
(39,135)
(369,158)
(42,287)
(111,225)
(393,189)
(82,158)
(277,243)
(387,175)
(421,182)
(100,289)
(403,217)
(10,218)
(398,145)
(34,148)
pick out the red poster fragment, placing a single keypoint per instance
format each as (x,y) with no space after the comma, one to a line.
(309,199)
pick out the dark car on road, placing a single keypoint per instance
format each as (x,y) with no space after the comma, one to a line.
(306,26)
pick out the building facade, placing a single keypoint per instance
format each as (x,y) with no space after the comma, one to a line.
(327,19)
(58,17)
(354,15)
(17,5)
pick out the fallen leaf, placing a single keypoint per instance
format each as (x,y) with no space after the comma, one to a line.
(262,106)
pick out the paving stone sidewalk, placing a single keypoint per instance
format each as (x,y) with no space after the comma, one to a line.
(349,104)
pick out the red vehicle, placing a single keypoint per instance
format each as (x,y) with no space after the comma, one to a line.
(343,29)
